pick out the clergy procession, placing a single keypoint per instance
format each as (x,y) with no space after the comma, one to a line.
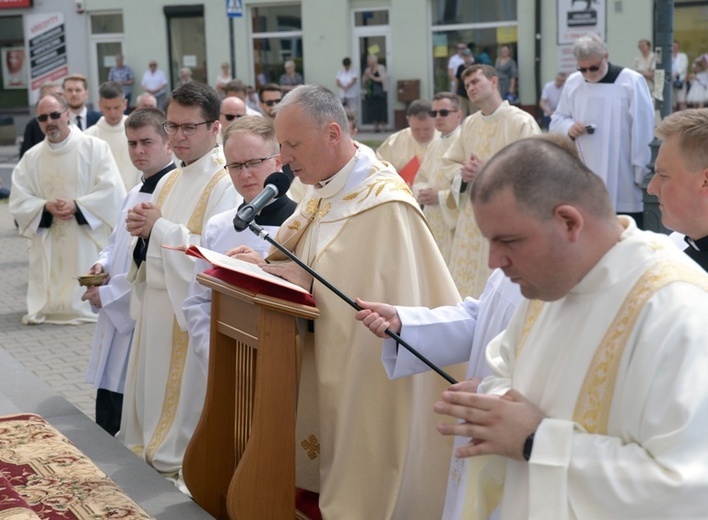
(513,259)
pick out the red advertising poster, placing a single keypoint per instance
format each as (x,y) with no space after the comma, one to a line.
(14,4)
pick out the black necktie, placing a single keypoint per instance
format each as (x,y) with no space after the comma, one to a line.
(78,122)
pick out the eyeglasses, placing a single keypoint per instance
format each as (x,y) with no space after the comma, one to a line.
(591,68)
(231,117)
(238,166)
(272,102)
(187,128)
(443,113)
(42,118)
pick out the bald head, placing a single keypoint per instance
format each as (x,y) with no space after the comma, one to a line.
(232,108)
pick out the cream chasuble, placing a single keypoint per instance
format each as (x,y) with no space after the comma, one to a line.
(483,136)
(81,169)
(377,450)
(187,198)
(115,136)
(441,218)
(618,366)
(399,148)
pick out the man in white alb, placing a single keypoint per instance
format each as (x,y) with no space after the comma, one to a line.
(596,407)
(496,124)
(182,203)
(111,128)
(66,197)
(432,184)
(608,111)
(150,152)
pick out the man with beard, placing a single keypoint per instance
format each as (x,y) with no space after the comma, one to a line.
(66,197)
(76,94)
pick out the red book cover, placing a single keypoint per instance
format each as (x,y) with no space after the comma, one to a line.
(248,276)
(409,170)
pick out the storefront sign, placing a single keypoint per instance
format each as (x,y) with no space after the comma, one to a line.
(46,44)
(15,4)
(578,17)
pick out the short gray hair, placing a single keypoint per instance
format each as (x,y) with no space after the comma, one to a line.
(319,103)
(587,46)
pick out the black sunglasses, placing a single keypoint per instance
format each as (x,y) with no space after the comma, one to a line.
(54,115)
(272,102)
(231,117)
(443,113)
(591,68)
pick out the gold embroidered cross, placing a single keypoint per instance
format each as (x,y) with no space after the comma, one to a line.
(312,446)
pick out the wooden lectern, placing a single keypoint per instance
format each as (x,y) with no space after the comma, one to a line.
(240,463)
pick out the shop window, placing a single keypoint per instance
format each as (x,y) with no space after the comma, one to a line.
(107,23)
(13,76)
(276,32)
(483,26)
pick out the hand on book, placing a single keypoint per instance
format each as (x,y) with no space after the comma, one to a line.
(246,254)
(291,272)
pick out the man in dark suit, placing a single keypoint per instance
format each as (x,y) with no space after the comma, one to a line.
(76,93)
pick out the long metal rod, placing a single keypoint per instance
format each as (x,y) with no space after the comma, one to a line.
(264,235)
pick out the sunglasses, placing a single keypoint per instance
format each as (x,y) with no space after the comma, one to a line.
(54,115)
(272,102)
(443,113)
(591,68)
(231,117)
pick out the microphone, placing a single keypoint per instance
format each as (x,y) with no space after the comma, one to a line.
(275,185)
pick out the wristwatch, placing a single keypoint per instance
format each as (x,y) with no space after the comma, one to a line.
(528,446)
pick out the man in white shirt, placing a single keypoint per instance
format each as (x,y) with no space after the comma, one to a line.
(154,82)
(453,64)
(348,83)
(551,96)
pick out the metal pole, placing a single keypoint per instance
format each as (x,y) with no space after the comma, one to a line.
(663,43)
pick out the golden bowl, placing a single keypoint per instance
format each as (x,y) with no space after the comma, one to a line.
(91,280)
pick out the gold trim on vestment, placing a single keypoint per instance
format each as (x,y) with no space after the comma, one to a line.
(169,183)
(180,341)
(196,221)
(532,312)
(592,409)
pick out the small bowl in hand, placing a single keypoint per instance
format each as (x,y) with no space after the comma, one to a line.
(92,280)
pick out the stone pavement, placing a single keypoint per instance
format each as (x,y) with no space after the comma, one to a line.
(57,354)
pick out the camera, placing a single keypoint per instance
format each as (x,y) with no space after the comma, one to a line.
(590,129)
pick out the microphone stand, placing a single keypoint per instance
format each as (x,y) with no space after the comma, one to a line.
(258,230)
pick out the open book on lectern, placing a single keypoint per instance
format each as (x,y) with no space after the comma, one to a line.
(247,276)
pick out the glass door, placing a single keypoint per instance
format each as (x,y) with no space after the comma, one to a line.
(186,34)
(371,38)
